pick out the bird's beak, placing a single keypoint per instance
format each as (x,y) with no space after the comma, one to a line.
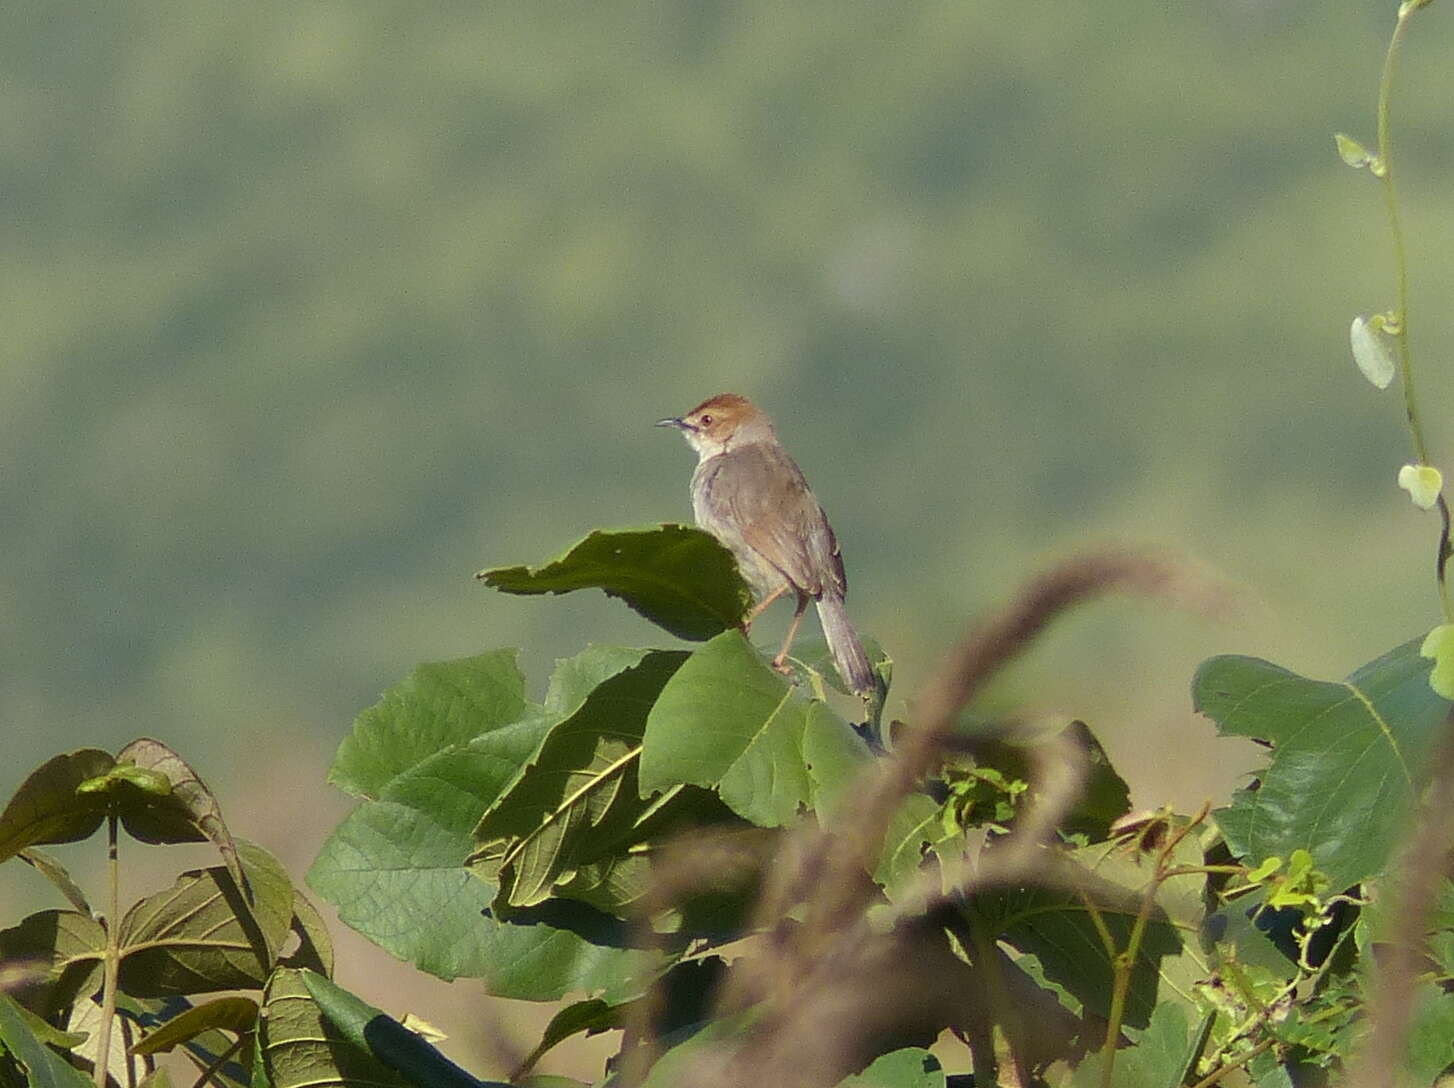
(675,421)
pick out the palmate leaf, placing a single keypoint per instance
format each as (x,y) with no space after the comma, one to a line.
(1347,762)
(201,936)
(678,577)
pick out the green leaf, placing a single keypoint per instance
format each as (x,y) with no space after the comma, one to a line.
(578,799)
(47,807)
(301,1046)
(185,811)
(1351,151)
(235,1014)
(439,706)
(315,943)
(591,1017)
(62,952)
(398,877)
(1438,644)
(681,579)
(1431,1034)
(44,1068)
(911,1067)
(726,721)
(200,935)
(395,868)
(58,875)
(368,1031)
(1347,758)
(1371,352)
(1053,923)
(1161,1058)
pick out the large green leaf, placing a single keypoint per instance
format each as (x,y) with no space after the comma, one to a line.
(395,868)
(440,705)
(578,799)
(1347,758)
(200,935)
(679,578)
(728,722)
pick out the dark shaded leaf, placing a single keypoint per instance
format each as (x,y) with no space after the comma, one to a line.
(591,1017)
(680,578)
(578,801)
(315,944)
(44,1068)
(186,812)
(384,1038)
(46,808)
(235,1014)
(1053,922)
(201,935)
(65,949)
(302,1048)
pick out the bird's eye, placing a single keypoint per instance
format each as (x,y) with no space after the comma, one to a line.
(706,421)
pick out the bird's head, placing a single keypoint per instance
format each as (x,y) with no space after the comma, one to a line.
(720,423)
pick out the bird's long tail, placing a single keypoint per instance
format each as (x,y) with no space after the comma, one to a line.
(849,656)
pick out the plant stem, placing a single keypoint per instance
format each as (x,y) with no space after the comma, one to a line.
(112,969)
(1401,276)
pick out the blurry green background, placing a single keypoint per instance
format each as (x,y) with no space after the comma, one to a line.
(313,309)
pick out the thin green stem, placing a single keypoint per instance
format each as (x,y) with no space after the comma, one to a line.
(1385,174)
(112,970)
(1395,226)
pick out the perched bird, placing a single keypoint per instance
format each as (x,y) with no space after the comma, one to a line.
(750,495)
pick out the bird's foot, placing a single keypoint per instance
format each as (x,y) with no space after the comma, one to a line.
(782,666)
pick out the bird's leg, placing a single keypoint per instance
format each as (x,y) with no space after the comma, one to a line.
(757,609)
(780,662)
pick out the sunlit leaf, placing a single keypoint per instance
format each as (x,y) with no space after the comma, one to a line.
(1348,758)
(680,578)
(1423,483)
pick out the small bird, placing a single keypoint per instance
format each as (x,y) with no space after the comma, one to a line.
(750,495)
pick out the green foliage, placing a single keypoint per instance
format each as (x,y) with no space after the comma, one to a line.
(680,578)
(1383,722)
